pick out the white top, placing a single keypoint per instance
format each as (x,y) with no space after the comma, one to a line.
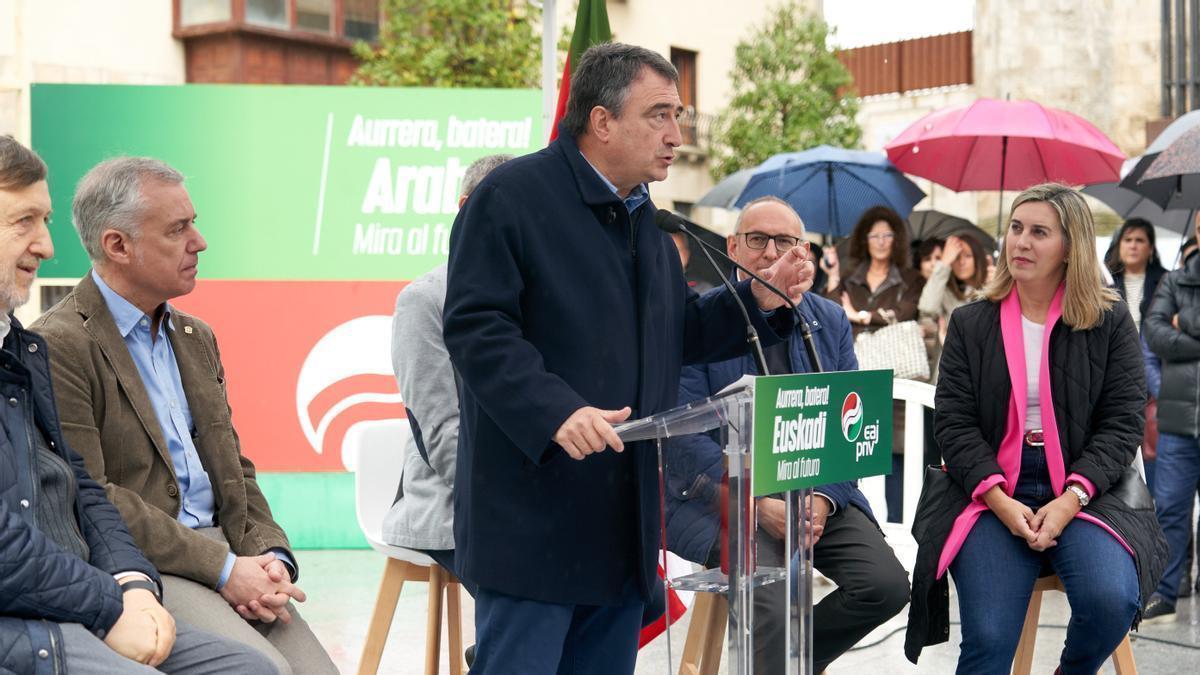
(1134,285)
(1033,333)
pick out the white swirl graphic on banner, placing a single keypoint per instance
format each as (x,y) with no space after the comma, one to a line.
(361,346)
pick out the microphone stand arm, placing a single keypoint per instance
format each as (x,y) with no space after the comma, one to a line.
(751,334)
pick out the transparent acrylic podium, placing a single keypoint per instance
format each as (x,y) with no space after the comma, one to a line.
(728,417)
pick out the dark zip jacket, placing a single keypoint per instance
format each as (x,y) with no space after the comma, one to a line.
(41,584)
(1178,294)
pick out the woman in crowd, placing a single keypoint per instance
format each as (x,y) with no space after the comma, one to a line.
(960,272)
(1039,414)
(882,290)
(929,252)
(1172,330)
(1132,259)
(929,255)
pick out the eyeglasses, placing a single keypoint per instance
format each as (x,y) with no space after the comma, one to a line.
(758,241)
(882,236)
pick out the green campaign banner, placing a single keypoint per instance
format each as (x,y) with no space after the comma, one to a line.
(820,428)
(318,205)
(290,183)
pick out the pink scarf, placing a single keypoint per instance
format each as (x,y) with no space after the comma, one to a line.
(1009,453)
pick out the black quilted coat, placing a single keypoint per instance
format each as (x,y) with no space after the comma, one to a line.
(1098,386)
(41,585)
(1178,294)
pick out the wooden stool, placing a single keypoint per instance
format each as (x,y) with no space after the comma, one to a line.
(706,635)
(1122,658)
(394,575)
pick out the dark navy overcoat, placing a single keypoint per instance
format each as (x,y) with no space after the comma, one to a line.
(556,300)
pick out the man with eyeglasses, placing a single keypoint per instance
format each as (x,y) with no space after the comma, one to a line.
(849,548)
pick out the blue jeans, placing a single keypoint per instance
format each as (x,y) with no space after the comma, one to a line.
(1175,480)
(994,574)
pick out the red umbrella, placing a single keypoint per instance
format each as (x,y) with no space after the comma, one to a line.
(1005,145)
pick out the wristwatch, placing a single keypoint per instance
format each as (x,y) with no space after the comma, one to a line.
(1080,493)
(864,316)
(143,585)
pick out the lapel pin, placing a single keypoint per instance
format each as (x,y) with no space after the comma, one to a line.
(187,329)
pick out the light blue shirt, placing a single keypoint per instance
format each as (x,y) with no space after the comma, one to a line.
(155,361)
(637,196)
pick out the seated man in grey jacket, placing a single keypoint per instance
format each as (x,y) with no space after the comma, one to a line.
(423,515)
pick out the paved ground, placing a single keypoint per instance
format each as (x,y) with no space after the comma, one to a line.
(342,584)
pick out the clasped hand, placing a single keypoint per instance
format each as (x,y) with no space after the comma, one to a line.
(145,631)
(260,587)
(1040,529)
(772,516)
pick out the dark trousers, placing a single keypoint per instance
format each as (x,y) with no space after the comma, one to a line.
(893,490)
(872,588)
(1175,482)
(445,558)
(655,606)
(526,637)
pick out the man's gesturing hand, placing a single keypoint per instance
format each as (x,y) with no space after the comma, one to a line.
(590,430)
(792,273)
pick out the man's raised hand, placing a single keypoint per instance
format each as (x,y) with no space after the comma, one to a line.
(791,273)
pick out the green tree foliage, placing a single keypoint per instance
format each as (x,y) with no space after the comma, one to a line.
(786,83)
(453,43)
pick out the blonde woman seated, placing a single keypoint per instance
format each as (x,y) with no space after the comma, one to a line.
(1039,411)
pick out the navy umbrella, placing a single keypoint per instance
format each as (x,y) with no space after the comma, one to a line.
(831,187)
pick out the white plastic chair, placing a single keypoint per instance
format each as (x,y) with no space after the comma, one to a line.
(917,396)
(375,451)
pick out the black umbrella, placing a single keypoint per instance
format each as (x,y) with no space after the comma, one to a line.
(1169,191)
(931,224)
(1128,204)
(699,273)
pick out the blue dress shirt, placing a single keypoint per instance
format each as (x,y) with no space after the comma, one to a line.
(155,361)
(637,196)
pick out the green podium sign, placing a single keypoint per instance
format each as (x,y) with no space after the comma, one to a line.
(820,428)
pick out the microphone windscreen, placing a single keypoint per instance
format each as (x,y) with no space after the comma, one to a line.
(668,222)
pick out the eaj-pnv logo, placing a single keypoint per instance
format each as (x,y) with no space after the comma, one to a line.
(852,416)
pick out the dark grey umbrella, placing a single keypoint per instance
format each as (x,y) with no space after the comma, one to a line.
(725,193)
(932,224)
(1180,191)
(1129,204)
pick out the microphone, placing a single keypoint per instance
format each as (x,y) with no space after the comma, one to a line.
(672,222)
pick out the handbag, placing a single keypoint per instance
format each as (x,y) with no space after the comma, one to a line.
(1150,436)
(898,347)
(1131,490)
(933,497)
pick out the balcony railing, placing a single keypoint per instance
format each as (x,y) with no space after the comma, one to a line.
(696,128)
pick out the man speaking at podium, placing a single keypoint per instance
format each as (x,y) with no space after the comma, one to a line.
(567,312)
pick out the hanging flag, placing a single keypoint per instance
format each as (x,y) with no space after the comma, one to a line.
(676,567)
(591,28)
